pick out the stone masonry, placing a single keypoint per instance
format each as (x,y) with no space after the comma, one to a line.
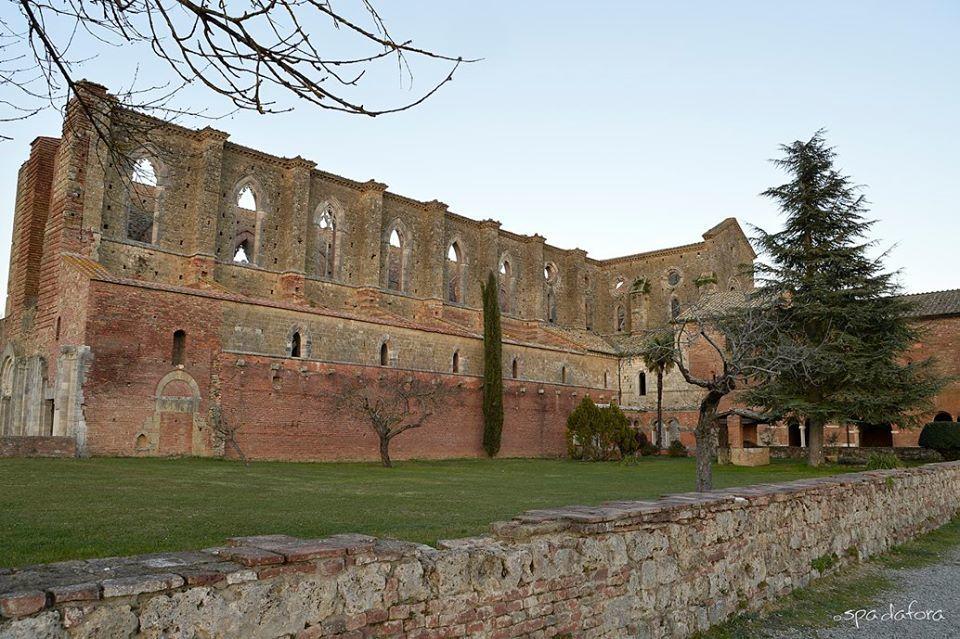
(664,568)
(149,291)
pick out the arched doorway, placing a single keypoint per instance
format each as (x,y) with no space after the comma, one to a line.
(876,436)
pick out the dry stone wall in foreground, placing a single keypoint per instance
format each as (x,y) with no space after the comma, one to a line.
(664,568)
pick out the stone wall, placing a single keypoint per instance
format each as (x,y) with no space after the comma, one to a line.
(35,446)
(665,568)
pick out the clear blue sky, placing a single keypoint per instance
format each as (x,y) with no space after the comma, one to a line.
(619,127)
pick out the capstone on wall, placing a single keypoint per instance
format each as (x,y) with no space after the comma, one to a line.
(665,568)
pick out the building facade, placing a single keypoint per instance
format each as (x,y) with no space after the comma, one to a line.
(186,282)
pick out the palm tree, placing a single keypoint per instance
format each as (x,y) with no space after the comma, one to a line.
(658,354)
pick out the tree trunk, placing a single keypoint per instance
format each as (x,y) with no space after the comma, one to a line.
(706,424)
(660,408)
(385,452)
(815,443)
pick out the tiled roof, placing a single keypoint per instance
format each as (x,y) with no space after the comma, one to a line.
(933,303)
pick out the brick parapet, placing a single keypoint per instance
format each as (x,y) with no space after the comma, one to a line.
(667,567)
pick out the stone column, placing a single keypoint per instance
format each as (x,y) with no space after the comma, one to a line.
(367,228)
(208,203)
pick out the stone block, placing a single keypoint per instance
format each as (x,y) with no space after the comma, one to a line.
(750,456)
(130,586)
(20,604)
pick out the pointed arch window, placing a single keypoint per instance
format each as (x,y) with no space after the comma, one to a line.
(505,286)
(551,306)
(144,198)
(384,355)
(674,308)
(563,374)
(515,369)
(247,225)
(327,241)
(246,198)
(296,345)
(456,362)
(454,271)
(396,263)
(642,384)
(621,319)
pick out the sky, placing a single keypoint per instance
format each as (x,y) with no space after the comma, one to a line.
(620,127)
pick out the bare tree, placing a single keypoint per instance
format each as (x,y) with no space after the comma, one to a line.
(225,432)
(733,338)
(391,404)
(262,55)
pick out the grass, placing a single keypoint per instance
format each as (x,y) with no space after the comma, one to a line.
(53,509)
(851,589)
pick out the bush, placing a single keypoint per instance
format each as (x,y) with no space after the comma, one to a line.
(677,449)
(883,460)
(648,449)
(598,434)
(943,437)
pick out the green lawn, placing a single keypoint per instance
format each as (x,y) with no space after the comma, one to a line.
(67,509)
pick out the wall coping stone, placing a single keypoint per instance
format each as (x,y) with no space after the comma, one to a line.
(30,589)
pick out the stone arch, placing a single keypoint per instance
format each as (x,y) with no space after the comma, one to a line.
(7,408)
(305,342)
(942,416)
(507,283)
(397,252)
(733,284)
(177,403)
(145,186)
(327,236)
(247,232)
(454,272)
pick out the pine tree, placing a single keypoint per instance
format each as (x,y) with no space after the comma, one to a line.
(840,324)
(492,368)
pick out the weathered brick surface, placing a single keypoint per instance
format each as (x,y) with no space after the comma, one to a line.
(36,446)
(664,568)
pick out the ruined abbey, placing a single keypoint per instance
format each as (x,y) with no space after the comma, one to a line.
(200,281)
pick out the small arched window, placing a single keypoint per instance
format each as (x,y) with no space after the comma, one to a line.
(384,354)
(606,379)
(563,374)
(296,345)
(515,369)
(456,361)
(621,318)
(674,308)
(179,348)
(247,199)
(242,254)
(551,307)
(642,384)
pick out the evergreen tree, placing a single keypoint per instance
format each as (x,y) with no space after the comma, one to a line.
(658,354)
(492,368)
(845,334)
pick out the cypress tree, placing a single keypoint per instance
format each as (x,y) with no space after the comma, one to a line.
(492,368)
(844,337)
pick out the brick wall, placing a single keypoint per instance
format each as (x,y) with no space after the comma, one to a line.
(35,446)
(665,568)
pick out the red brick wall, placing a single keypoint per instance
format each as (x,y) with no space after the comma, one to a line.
(38,447)
(298,416)
(130,331)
